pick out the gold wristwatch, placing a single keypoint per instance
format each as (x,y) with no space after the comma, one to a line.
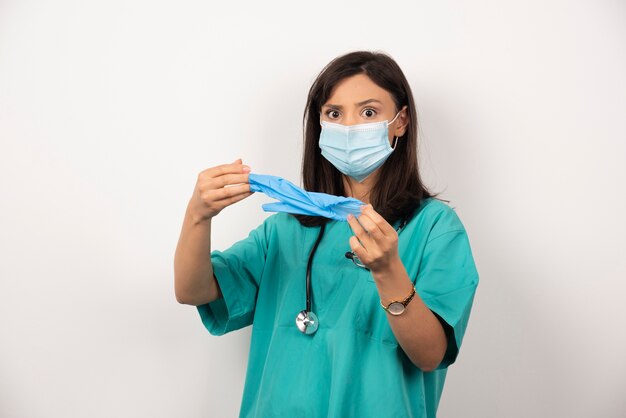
(397,307)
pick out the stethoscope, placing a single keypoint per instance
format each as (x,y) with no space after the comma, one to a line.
(306,320)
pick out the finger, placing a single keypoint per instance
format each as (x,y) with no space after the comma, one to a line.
(360,233)
(380,222)
(371,227)
(217,195)
(235,168)
(227,180)
(234,199)
(359,250)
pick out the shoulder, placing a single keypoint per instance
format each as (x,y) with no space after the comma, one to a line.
(435,218)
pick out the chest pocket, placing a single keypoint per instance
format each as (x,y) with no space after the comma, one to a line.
(371,318)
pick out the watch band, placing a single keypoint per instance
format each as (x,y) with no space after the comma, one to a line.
(396,310)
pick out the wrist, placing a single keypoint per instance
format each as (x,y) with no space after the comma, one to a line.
(398,306)
(389,271)
(393,283)
(197,219)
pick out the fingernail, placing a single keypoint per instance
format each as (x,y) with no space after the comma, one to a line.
(350,217)
(246,169)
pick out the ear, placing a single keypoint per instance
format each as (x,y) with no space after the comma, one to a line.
(403,122)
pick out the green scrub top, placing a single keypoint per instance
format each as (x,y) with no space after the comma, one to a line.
(353,365)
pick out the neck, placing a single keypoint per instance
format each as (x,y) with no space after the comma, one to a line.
(358,190)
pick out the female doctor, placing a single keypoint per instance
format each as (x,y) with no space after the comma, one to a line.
(350,319)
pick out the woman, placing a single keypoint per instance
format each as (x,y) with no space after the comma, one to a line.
(362,355)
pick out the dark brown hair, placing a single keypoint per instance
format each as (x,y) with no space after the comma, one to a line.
(399,189)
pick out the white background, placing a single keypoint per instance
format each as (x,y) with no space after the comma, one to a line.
(110,109)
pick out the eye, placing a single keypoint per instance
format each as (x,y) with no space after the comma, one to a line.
(369,113)
(332,114)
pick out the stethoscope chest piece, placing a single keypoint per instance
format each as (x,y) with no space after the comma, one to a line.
(307,322)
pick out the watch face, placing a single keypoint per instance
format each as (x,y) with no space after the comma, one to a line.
(396,308)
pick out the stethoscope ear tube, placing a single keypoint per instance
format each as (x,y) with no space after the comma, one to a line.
(306,320)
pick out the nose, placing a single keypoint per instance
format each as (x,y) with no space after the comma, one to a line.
(349,120)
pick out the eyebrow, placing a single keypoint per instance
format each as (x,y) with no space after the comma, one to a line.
(364,102)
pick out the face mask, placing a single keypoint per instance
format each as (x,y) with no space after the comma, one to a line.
(357,150)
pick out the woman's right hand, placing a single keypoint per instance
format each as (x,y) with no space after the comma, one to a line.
(218,187)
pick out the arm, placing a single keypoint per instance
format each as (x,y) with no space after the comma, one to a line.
(194,281)
(418,331)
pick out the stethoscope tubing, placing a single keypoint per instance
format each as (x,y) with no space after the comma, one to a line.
(306,320)
(308,268)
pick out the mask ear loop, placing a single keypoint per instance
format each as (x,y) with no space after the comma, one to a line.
(395,138)
(394,119)
(395,142)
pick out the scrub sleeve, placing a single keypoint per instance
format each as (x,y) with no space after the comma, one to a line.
(237,270)
(447,284)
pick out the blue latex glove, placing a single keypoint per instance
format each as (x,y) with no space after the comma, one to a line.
(293,199)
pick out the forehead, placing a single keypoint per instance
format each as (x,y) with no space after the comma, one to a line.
(357,88)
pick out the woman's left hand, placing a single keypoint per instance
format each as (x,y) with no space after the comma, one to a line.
(375,241)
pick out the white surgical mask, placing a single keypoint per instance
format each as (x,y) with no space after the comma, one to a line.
(356,150)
